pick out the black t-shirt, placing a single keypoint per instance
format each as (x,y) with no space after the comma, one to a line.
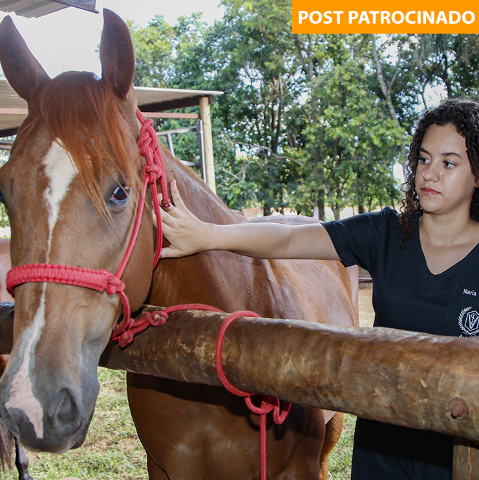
(406,295)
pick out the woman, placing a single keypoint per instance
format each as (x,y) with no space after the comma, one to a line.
(422,262)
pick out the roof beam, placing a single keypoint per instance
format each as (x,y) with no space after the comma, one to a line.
(173,104)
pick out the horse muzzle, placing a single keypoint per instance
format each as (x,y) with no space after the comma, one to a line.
(53,418)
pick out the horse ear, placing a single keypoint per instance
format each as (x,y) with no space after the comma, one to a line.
(116,54)
(21,68)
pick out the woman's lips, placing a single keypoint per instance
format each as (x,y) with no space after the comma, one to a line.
(429,191)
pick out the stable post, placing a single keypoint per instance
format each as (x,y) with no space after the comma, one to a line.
(465,460)
(205,115)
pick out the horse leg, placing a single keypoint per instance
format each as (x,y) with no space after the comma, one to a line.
(21,461)
(333,431)
(154,471)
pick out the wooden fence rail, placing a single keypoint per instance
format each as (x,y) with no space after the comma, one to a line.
(406,378)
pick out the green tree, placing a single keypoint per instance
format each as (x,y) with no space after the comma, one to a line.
(450,61)
(306,120)
(354,143)
(334,118)
(153,46)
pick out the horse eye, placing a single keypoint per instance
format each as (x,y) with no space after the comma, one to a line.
(120,194)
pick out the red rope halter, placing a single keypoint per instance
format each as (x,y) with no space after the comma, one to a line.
(101,280)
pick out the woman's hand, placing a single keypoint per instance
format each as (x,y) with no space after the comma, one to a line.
(187,235)
(185,232)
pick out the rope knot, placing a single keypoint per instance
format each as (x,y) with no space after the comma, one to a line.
(114,285)
(147,141)
(155,319)
(125,338)
(147,126)
(146,147)
(152,172)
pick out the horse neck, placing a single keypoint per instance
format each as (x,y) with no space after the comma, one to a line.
(196,195)
(196,278)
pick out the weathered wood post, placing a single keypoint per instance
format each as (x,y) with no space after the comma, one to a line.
(205,115)
(466,460)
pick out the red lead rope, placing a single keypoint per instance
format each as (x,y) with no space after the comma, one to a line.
(102,280)
(267,405)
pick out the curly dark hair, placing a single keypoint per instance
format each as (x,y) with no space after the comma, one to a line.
(463,114)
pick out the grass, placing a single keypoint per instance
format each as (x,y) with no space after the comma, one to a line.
(340,457)
(112,450)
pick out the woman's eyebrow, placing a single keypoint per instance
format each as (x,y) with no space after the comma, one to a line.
(445,154)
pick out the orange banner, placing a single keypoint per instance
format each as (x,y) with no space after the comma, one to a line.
(373,16)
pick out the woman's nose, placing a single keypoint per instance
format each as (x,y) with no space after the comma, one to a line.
(431,172)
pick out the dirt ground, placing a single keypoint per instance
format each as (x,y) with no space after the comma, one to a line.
(366,312)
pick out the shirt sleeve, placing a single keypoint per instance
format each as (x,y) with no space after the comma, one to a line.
(357,238)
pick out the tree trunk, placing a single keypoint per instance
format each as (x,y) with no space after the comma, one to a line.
(321,208)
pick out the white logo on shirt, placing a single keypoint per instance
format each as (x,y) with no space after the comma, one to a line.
(469,322)
(469,292)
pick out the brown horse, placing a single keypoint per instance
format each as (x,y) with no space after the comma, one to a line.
(71,189)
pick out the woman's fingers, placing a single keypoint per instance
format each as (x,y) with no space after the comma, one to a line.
(180,227)
(170,252)
(176,197)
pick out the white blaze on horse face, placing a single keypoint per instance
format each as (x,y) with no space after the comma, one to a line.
(21,391)
(60,170)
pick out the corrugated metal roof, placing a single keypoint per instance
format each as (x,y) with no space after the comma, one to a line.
(13,109)
(38,8)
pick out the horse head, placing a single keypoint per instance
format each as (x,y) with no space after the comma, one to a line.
(71,189)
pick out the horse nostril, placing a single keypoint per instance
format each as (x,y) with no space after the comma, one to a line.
(67,412)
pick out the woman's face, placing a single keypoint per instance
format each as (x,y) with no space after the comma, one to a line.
(445,183)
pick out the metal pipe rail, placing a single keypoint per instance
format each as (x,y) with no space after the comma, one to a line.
(199,131)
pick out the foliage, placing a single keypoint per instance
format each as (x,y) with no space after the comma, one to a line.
(353,143)
(451,61)
(153,48)
(279,107)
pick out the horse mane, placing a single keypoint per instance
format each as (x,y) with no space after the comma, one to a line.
(83,112)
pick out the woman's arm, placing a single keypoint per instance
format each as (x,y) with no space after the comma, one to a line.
(187,235)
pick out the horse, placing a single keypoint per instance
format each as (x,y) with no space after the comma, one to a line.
(71,189)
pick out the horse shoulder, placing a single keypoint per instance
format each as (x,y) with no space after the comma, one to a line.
(322,291)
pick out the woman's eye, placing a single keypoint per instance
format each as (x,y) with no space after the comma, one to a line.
(120,194)
(449,164)
(423,160)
